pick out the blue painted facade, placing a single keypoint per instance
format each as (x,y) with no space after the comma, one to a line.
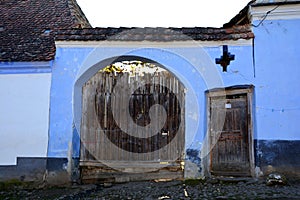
(193,66)
(277,96)
(269,63)
(277,79)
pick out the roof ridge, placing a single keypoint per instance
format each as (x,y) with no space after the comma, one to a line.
(155,34)
(29,26)
(244,26)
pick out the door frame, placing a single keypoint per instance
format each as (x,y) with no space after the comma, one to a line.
(248,91)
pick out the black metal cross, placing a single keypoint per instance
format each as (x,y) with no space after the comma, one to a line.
(225,59)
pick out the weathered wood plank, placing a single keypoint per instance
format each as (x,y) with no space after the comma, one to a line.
(105,142)
(228,133)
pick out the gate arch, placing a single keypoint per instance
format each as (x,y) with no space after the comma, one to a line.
(153,138)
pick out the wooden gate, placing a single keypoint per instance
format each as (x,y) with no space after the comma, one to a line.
(230,132)
(125,135)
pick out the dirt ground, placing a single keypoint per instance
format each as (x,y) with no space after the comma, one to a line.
(148,190)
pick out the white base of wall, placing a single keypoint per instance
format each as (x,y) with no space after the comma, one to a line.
(24,116)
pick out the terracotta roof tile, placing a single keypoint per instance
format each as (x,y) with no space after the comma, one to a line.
(156,34)
(26,27)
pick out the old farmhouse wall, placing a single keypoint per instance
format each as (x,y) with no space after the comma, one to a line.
(251,108)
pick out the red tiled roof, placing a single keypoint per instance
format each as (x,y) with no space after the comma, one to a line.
(156,34)
(28,29)
(25,26)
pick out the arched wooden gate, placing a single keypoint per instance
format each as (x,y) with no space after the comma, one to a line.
(125,136)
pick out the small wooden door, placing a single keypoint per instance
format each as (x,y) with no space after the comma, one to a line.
(230,137)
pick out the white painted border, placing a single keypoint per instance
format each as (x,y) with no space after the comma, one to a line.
(25,67)
(138,44)
(288,11)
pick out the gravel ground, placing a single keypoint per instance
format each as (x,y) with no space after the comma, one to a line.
(210,189)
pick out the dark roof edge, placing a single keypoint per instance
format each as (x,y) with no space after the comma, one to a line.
(275,3)
(218,89)
(241,18)
(155,34)
(78,15)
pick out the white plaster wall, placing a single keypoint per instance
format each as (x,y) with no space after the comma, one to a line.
(24,116)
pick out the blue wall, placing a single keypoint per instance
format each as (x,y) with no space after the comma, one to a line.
(270,64)
(275,75)
(277,79)
(194,66)
(64,71)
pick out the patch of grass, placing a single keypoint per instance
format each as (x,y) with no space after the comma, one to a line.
(193,182)
(5,185)
(15,184)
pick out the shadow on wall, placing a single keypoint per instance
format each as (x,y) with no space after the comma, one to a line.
(278,156)
(50,171)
